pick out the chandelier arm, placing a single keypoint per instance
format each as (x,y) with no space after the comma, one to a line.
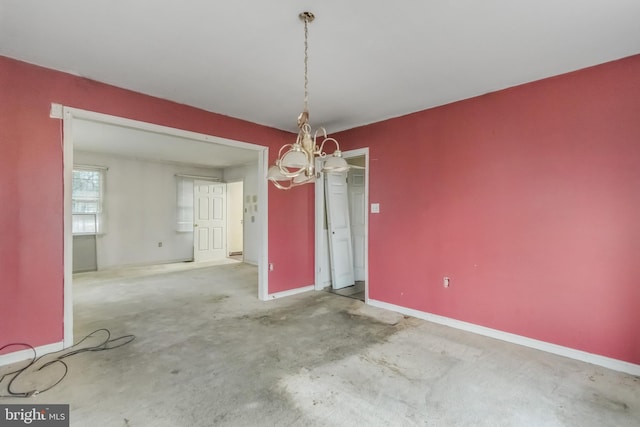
(321,148)
(283,169)
(297,171)
(288,174)
(282,187)
(323,130)
(289,148)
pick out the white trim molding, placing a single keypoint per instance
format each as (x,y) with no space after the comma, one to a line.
(583,356)
(291,292)
(56,111)
(67,174)
(20,355)
(263,224)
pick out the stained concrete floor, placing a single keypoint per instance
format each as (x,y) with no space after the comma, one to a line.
(356,291)
(207,352)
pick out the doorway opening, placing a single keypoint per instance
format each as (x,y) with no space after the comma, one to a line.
(235,220)
(164,142)
(341,262)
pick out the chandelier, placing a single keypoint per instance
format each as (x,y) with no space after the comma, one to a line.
(295,164)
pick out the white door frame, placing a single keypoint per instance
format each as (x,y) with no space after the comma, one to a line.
(68,114)
(319,221)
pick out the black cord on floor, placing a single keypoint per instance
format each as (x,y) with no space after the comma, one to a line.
(106,344)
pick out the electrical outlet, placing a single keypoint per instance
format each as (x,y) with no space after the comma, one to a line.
(446,282)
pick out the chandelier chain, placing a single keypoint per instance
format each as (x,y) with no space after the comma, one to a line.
(306,60)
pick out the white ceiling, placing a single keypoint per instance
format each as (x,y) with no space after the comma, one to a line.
(369,60)
(100,137)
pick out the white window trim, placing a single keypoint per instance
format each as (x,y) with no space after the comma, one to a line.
(100,216)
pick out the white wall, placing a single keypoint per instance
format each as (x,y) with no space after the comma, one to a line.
(140,211)
(249,175)
(235,216)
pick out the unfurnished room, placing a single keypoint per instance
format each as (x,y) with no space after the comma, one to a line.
(413,213)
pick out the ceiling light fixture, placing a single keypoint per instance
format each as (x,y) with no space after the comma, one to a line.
(295,164)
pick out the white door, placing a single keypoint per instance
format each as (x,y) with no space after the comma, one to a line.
(340,248)
(357,212)
(209,235)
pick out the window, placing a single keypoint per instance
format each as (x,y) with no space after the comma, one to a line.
(87,187)
(184,204)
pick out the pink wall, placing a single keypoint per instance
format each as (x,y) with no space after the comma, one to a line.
(291,223)
(527,198)
(31,191)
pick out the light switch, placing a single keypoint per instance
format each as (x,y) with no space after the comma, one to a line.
(375,207)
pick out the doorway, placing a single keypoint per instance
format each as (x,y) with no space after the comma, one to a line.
(235,220)
(168,136)
(357,185)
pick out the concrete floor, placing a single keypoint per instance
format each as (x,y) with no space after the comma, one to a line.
(208,353)
(355,291)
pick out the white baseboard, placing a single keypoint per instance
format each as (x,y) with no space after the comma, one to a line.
(143,264)
(291,292)
(595,359)
(20,355)
(322,285)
